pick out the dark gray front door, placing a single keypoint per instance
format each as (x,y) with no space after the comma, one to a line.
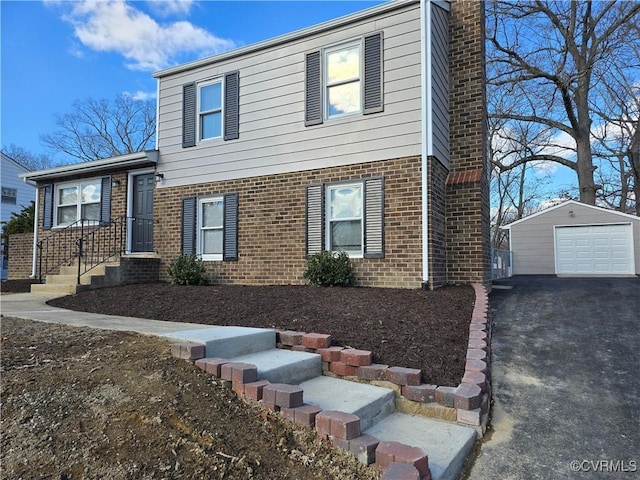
(142,223)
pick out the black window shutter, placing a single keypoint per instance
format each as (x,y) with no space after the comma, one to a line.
(374,218)
(231,106)
(315,219)
(189,212)
(105,200)
(373,74)
(189,115)
(230,228)
(313,89)
(47,207)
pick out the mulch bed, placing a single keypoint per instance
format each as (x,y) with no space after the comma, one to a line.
(16,286)
(428,330)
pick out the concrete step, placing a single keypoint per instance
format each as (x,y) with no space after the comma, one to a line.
(69,279)
(97,270)
(284,366)
(368,402)
(229,342)
(48,288)
(446,444)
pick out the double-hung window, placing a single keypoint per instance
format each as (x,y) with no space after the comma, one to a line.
(78,201)
(342,80)
(9,195)
(344,218)
(210,228)
(210,110)
(345,79)
(347,217)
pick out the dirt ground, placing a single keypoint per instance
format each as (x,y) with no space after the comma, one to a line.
(428,330)
(93,404)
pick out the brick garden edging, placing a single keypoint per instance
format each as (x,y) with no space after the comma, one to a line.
(467,404)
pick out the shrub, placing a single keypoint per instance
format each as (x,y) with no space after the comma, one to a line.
(188,270)
(329,269)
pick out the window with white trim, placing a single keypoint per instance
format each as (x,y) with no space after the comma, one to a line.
(78,201)
(210,228)
(344,217)
(9,195)
(342,67)
(210,104)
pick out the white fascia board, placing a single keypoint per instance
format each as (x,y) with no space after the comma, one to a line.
(122,161)
(570,202)
(289,37)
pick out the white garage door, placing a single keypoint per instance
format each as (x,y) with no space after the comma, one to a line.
(595,250)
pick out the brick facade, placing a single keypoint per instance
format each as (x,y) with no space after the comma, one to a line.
(20,255)
(271,225)
(271,222)
(467,191)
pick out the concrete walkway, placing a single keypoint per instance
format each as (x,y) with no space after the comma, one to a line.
(566,380)
(33,306)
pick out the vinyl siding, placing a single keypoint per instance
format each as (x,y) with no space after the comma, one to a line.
(272,136)
(440,83)
(25,192)
(532,240)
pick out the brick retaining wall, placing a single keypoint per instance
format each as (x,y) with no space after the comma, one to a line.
(20,255)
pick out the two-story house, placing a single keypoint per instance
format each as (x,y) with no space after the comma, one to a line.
(16,195)
(364,134)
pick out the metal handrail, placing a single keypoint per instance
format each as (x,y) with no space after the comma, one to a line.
(100,245)
(91,243)
(58,248)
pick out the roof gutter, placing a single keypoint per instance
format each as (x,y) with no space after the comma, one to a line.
(122,161)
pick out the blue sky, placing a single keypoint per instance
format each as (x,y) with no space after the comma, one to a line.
(54,52)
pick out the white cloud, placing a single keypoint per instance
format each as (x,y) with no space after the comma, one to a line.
(140,95)
(116,26)
(170,7)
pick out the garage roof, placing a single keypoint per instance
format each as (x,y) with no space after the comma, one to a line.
(570,202)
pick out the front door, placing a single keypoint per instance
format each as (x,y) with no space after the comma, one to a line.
(142,222)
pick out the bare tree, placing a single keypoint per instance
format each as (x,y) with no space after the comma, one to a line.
(548,56)
(98,129)
(617,141)
(27,159)
(515,192)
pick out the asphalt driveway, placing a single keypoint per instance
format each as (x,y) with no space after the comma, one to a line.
(566,380)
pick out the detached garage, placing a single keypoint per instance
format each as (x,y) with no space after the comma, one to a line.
(574,239)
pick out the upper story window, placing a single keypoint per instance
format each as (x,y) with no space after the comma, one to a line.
(345,79)
(78,201)
(9,195)
(210,110)
(342,80)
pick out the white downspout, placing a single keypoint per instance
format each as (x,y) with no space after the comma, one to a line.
(425,85)
(35,234)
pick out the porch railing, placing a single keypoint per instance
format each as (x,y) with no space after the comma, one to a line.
(59,248)
(87,243)
(501,264)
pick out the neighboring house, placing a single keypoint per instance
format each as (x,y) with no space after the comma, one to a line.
(364,134)
(573,239)
(16,194)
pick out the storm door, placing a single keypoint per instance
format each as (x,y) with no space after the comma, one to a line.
(142,212)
